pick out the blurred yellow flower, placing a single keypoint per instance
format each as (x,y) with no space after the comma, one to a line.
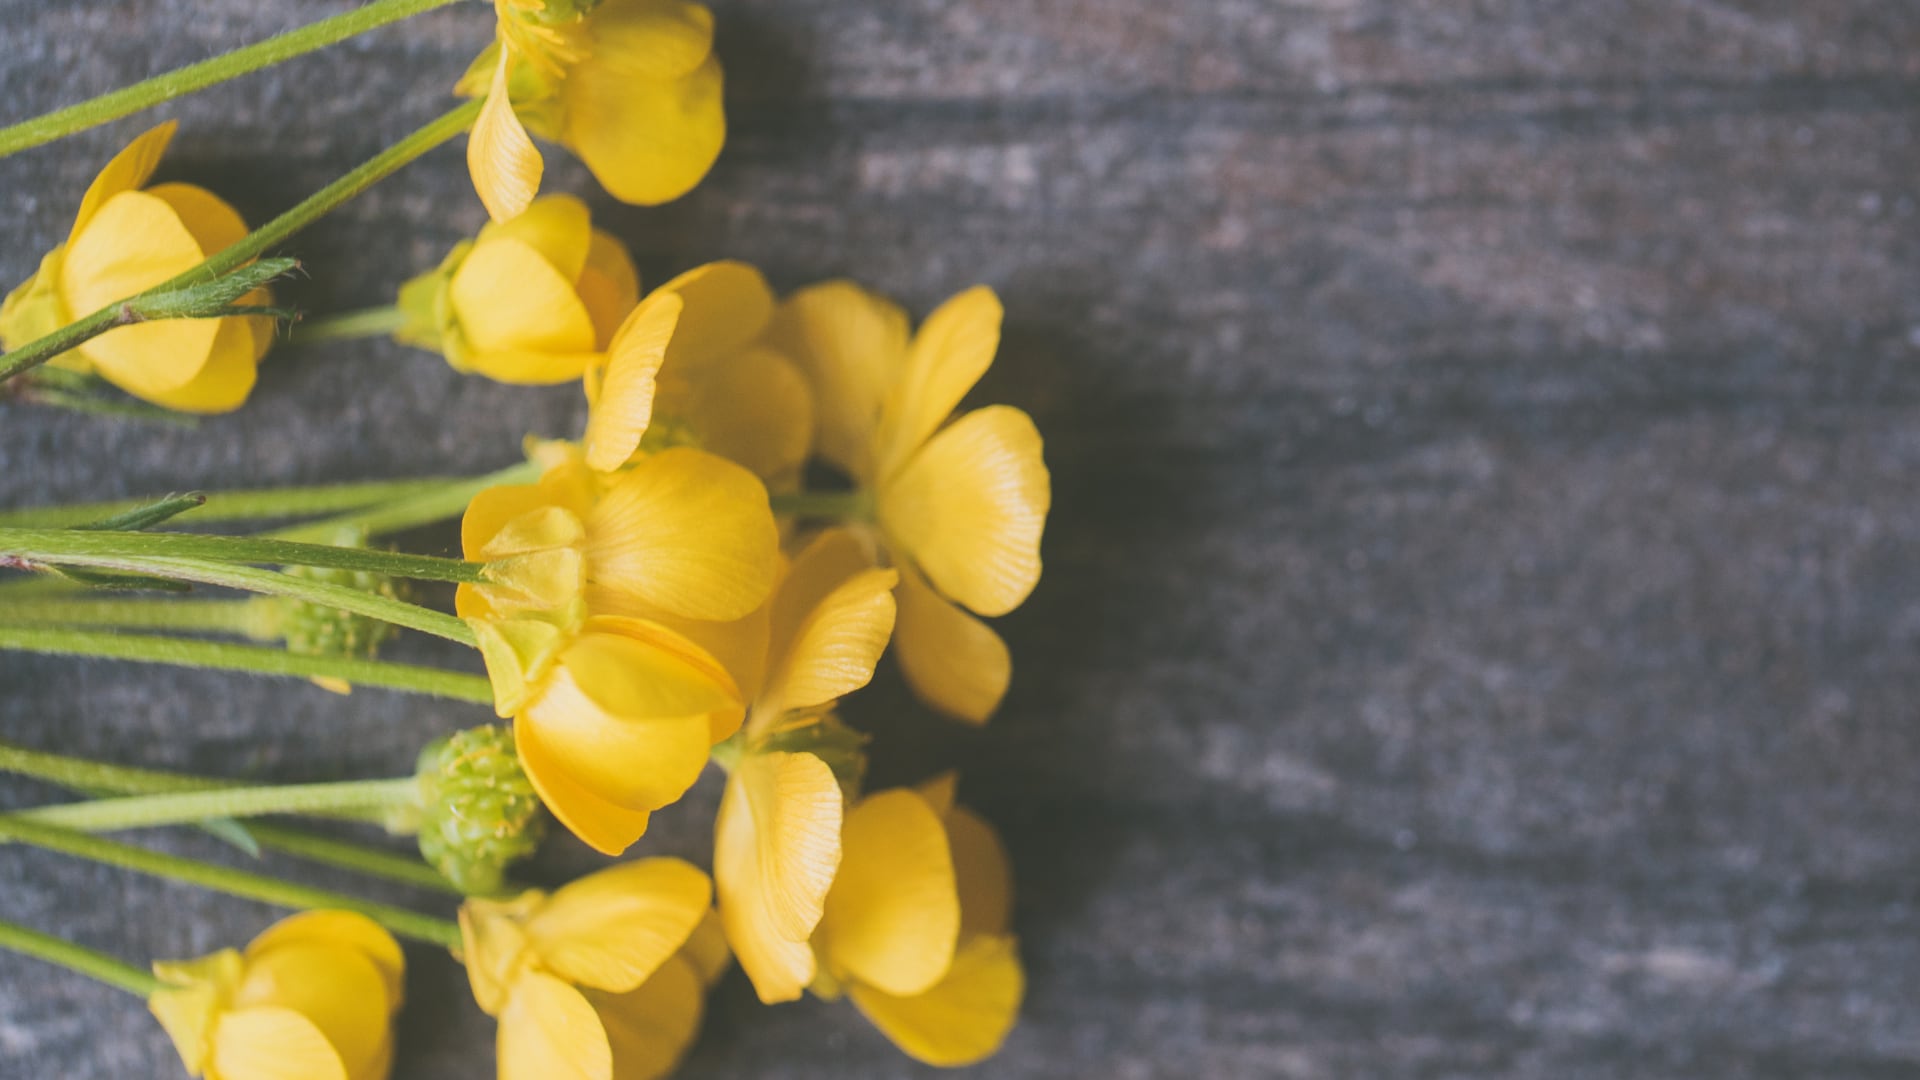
(127,238)
(605,978)
(615,709)
(717,385)
(915,929)
(534,300)
(777,839)
(960,506)
(631,86)
(312,997)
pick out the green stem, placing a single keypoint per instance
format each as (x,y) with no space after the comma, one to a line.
(56,545)
(251,246)
(244,505)
(244,617)
(186,80)
(97,965)
(347,325)
(257,659)
(414,511)
(831,505)
(224,879)
(187,807)
(400,869)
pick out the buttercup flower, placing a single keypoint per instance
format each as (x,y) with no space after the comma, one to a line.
(958,505)
(717,384)
(533,300)
(777,839)
(605,978)
(631,86)
(615,710)
(313,997)
(915,927)
(127,238)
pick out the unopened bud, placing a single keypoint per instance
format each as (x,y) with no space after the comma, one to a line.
(479,813)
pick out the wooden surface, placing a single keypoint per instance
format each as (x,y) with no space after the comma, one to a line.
(1480,622)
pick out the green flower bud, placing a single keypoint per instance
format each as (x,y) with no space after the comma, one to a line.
(479,812)
(317,630)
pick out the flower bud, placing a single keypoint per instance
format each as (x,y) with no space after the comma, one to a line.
(478,813)
(313,629)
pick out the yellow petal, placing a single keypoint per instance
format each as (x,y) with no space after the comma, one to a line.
(558,227)
(614,928)
(893,917)
(954,347)
(505,166)
(493,945)
(509,300)
(225,381)
(646,141)
(128,170)
(272,1044)
(852,345)
(134,242)
(215,226)
(194,992)
(728,303)
(651,39)
(600,823)
(962,1020)
(623,405)
(829,649)
(739,645)
(334,986)
(753,407)
(609,286)
(343,930)
(517,652)
(490,511)
(549,1031)
(970,508)
(980,866)
(706,950)
(953,661)
(776,847)
(687,532)
(636,762)
(651,1028)
(633,668)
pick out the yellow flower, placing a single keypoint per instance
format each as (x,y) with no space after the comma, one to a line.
(128,238)
(631,86)
(534,300)
(716,385)
(312,997)
(615,709)
(605,978)
(915,927)
(960,505)
(777,840)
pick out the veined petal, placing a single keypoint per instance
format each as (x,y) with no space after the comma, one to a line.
(631,667)
(133,242)
(980,866)
(953,661)
(493,945)
(623,406)
(832,650)
(127,171)
(970,508)
(852,346)
(609,286)
(507,296)
(338,989)
(650,1028)
(549,1031)
(650,39)
(740,645)
(600,823)
(753,407)
(557,227)
(688,532)
(613,929)
(728,303)
(893,917)
(272,1044)
(640,762)
(965,1017)
(776,847)
(954,347)
(646,141)
(501,157)
(341,930)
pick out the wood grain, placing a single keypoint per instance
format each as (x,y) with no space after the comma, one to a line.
(1479,627)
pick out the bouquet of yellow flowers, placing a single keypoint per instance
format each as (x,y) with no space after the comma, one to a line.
(769,494)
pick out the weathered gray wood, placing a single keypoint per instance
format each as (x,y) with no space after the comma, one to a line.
(1479,629)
